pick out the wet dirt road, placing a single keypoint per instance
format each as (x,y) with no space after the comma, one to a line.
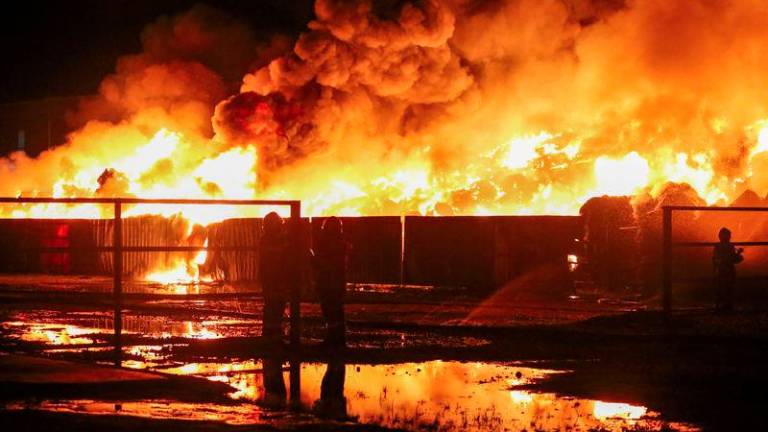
(423,363)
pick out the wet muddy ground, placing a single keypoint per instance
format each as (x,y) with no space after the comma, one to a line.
(417,360)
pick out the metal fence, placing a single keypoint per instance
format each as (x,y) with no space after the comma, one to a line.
(118,249)
(668,243)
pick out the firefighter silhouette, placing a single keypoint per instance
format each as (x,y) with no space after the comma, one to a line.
(274,394)
(332,403)
(725,256)
(273,266)
(330,264)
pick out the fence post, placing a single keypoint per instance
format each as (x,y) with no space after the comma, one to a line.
(117,288)
(402,250)
(297,258)
(667,261)
(294,377)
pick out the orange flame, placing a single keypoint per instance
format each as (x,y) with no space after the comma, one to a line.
(426,109)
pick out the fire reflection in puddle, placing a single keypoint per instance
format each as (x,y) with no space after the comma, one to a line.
(610,410)
(245,377)
(434,395)
(156,409)
(51,334)
(76,329)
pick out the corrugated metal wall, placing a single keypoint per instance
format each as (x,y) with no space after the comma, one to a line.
(486,252)
(143,231)
(477,252)
(375,255)
(234,265)
(449,251)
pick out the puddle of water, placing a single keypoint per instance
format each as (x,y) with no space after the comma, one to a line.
(164,327)
(245,377)
(383,339)
(433,395)
(63,329)
(56,334)
(82,329)
(156,409)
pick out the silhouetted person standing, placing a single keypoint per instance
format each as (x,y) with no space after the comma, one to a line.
(332,403)
(274,385)
(331,277)
(725,256)
(273,264)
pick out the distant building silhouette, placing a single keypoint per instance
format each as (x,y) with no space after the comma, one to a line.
(36,125)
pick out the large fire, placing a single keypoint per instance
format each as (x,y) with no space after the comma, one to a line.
(465,107)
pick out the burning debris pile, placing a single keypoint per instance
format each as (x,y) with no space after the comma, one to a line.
(464,107)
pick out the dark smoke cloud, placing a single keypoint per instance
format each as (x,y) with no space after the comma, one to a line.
(281,127)
(447,91)
(188,64)
(358,62)
(204,35)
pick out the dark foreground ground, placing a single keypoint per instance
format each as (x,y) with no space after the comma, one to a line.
(696,370)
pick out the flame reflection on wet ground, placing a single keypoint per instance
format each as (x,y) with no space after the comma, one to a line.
(428,395)
(433,395)
(440,395)
(156,409)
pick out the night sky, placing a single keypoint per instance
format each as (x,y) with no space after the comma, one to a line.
(63,48)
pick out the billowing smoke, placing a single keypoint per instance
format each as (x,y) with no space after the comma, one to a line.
(188,64)
(432,107)
(448,89)
(172,86)
(349,86)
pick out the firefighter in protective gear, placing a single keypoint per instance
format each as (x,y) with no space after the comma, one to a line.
(330,262)
(725,256)
(273,267)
